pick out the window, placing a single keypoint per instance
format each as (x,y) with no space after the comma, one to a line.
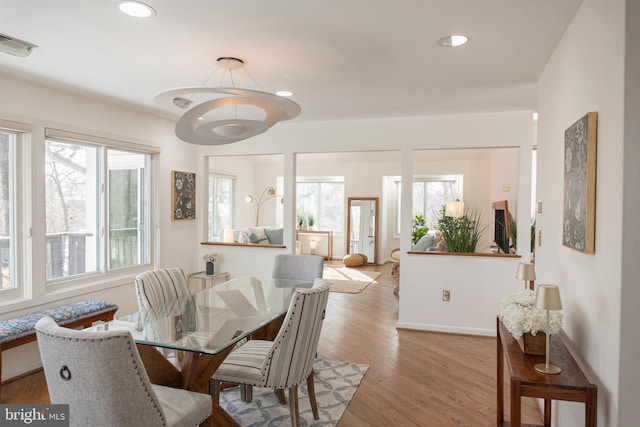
(221,196)
(430,193)
(7,212)
(323,199)
(90,188)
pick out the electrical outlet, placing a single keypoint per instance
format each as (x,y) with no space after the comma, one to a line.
(446,295)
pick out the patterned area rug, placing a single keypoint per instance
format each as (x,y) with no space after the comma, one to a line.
(335,383)
(349,280)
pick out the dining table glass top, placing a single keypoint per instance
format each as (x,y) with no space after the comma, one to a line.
(211,320)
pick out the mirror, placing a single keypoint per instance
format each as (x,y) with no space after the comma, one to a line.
(362,227)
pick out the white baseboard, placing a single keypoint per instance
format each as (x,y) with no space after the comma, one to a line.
(445,328)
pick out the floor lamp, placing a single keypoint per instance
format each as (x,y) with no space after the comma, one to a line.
(548,298)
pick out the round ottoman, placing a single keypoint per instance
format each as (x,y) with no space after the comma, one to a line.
(354,260)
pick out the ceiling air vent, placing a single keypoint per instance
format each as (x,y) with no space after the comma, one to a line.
(15,46)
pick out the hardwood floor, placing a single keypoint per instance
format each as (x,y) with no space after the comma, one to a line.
(415,378)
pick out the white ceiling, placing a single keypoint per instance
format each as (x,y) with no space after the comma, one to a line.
(342,58)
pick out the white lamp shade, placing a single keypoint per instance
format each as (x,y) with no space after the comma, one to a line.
(454,209)
(548,297)
(526,271)
(228,235)
(312,245)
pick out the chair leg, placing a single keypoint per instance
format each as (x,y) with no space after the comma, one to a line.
(312,396)
(214,391)
(293,406)
(248,393)
(280,395)
(243,392)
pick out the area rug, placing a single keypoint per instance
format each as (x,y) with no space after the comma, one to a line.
(335,384)
(349,280)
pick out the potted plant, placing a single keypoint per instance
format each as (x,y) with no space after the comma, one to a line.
(209,260)
(527,323)
(419,229)
(311,221)
(461,234)
(300,220)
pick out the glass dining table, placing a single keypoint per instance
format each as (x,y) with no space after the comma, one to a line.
(205,327)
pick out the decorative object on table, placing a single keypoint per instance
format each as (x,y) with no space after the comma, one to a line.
(547,299)
(183,195)
(527,272)
(209,260)
(299,221)
(462,233)
(311,221)
(579,208)
(527,323)
(209,122)
(267,194)
(312,247)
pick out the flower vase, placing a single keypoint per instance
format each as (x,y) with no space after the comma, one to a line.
(209,268)
(535,345)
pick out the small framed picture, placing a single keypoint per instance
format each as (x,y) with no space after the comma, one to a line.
(183,195)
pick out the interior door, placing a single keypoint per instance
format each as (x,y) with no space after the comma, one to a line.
(362,227)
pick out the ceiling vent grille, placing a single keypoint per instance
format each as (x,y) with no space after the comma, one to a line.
(15,46)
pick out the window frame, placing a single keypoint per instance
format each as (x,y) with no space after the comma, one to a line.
(319,180)
(211,208)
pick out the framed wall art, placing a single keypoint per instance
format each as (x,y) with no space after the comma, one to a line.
(183,195)
(579,207)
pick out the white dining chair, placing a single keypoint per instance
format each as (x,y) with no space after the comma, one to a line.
(285,362)
(101,377)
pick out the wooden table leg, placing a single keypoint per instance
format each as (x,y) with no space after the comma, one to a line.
(515,402)
(547,412)
(591,407)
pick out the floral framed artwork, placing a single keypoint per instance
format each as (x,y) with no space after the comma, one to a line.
(183,195)
(579,207)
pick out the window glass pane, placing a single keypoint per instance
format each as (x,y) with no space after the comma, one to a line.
(71,209)
(7,139)
(220,205)
(128,208)
(323,200)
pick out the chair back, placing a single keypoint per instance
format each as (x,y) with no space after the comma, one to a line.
(157,287)
(99,374)
(300,267)
(291,358)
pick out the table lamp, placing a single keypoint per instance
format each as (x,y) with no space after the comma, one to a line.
(547,298)
(526,271)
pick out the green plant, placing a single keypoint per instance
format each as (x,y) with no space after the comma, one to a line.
(310,220)
(463,233)
(419,228)
(300,220)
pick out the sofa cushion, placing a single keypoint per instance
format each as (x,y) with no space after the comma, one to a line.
(424,243)
(274,236)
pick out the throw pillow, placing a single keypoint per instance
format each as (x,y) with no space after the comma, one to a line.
(274,236)
(261,237)
(424,243)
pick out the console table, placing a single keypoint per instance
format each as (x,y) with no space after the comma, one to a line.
(571,384)
(213,278)
(324,241)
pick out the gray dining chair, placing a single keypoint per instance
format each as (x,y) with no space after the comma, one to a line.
(101,377)
(285,362)
(159,286)
(300,267)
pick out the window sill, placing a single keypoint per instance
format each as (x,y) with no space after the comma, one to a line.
(471,254)
(250,245)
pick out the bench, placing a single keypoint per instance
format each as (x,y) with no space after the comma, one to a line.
(21,330)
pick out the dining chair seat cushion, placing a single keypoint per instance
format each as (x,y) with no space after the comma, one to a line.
(182,407)
(245,364)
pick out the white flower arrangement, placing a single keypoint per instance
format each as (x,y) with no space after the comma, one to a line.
(210,257)
(520,316)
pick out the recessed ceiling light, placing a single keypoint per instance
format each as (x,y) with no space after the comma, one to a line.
(284,93)
(453,40)
(136,9)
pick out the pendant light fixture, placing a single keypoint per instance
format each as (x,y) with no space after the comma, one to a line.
(246,112)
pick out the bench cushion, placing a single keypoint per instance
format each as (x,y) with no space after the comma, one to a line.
(11,329)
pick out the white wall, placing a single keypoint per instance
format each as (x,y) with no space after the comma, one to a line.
(586,73)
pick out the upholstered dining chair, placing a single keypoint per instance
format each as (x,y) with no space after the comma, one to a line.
(101,377)
(285,362)
(159,286)
(301,267)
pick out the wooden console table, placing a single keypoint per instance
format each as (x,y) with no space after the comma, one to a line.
(324,236)
(571,384)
